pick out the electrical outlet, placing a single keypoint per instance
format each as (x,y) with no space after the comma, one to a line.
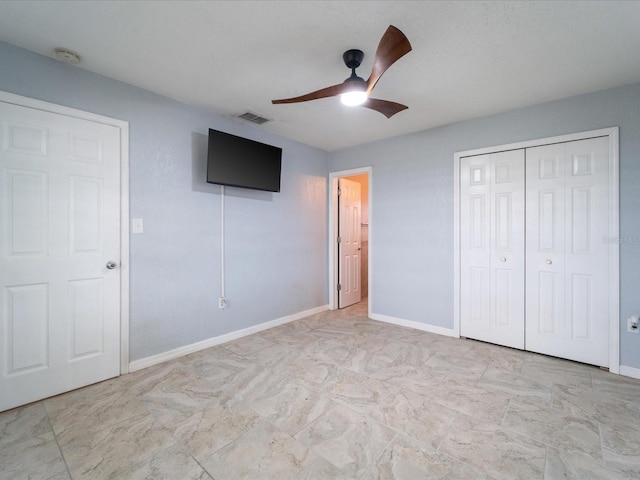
(632,323)
(222,303)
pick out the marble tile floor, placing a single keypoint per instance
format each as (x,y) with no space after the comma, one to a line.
(336,396)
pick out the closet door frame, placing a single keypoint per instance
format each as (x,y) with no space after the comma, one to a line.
(613,246)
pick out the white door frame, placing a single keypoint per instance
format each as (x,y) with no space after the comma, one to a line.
(614,230)
(19,100)
(333,233)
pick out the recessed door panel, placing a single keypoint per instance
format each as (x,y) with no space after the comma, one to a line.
(581,220)
(26,328)
(503,308)
(24,139)
(581,308)
(86,214)
(503,221)
(548,224)
(479,291)
(85,149)
(350,269)
(477,175)
(503,173)
(548,286)
(479,227)
(582,164)
(86,317)
(27,221)
(548,165)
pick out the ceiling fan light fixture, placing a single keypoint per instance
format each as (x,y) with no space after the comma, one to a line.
(356,93)
(354,98)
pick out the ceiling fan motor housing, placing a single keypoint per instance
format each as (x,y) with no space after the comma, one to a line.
(353,58)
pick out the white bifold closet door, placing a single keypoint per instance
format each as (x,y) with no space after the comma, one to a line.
(567,300)
(492,247)
(534,263)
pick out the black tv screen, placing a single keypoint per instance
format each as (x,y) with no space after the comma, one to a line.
(240,162)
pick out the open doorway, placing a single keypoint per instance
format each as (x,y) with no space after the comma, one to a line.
(349,238)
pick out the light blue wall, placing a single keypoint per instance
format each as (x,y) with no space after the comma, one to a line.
(276,252)
(276,243)
(412,243)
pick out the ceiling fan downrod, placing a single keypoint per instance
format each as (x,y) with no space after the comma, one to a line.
(352,59)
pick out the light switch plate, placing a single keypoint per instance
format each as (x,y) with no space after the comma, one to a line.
(137,225)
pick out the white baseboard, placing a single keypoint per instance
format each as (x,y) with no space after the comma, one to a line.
(629,371)
(228,337)
(212,342)
(415,325)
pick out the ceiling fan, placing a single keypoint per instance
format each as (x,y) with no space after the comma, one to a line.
(355,90)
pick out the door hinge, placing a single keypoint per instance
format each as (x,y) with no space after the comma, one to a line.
(339,287)
(339,191)
(339,239)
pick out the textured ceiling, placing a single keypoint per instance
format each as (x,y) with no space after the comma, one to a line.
(469,59)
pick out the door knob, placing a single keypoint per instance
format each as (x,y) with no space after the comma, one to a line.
(359,248)
(548,261)
(111,265)
(503,259)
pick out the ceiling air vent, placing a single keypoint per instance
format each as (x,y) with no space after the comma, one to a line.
(253,118)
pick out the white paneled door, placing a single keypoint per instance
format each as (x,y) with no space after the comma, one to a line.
(60,253)
(567,253)
(492,248)
(349,246)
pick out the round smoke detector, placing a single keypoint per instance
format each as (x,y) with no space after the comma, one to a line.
(67,56)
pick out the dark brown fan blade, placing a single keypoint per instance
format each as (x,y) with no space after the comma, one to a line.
(393,46)
(385,107)
(323,93)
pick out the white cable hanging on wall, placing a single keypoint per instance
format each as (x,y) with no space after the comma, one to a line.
(222,301)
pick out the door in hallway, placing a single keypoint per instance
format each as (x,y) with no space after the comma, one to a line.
(349,246)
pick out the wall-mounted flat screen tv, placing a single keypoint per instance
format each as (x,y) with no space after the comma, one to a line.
(240,162)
